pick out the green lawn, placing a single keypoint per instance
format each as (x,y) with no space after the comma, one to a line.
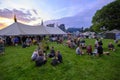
(16,64)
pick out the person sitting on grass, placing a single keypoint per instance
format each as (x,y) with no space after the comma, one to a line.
(116,41)
(34,55)
(72,45)
(24,45)
(95,52)
(59,40)
(78,50)
(96,43)
(89,49)
(34,41)
(59,56)
(57,59)
(52,52)
(83,45)
(16,41)
(111,46)
(99,50)
(41,59)
(82,42)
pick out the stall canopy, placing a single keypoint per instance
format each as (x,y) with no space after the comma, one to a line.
(113,34)
(113,31)
(18,28)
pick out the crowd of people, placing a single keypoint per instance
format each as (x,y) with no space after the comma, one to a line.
(41,55)
(81,47)
(26,41)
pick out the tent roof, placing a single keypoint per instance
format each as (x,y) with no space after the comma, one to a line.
(13,29)
(22,29)
(54,30)
(113,31)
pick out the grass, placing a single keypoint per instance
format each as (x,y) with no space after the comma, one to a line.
(16,64)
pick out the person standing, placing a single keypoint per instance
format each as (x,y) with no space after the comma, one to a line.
(2,47)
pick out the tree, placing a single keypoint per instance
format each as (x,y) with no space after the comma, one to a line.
(62,27)
(108,17)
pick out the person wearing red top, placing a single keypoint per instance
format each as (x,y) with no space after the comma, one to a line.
(89,49)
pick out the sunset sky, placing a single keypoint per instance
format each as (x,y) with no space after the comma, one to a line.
(32,11)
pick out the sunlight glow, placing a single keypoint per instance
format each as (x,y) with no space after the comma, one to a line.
(5,22)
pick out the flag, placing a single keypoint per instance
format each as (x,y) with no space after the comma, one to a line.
(15,19)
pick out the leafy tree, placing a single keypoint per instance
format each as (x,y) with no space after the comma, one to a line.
(88,29)
(108,17)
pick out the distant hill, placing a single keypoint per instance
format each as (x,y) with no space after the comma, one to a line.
(71,30)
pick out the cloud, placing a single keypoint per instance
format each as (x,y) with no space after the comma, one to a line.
(75,12)
(25,16)
(21,14)
(73,7)
(84,15)
(35,11)
(6,13)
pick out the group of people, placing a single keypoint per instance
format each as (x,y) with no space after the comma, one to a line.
(80,45)
(24,40)
(98,49)
(74,42)
(40,57)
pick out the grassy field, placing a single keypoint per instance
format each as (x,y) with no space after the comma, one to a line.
(16,64)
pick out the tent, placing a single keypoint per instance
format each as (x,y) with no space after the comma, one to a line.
(22,29)
(113,34)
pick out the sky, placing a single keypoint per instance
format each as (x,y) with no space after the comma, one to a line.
(31,12)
